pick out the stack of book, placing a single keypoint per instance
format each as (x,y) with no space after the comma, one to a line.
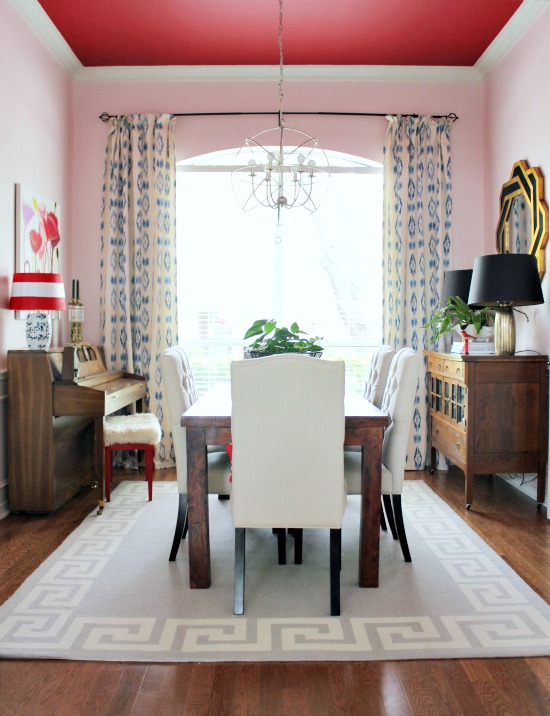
(477,348)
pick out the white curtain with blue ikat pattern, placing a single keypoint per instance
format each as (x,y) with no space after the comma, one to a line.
(417,242)
(138,255)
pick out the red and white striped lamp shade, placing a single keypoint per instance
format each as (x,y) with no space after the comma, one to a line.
(37,292)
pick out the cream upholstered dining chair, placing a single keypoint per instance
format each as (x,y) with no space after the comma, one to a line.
(180,394)
(377,376)
(398,403)
(375,385)
(288,427)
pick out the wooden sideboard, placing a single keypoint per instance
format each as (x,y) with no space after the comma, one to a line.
(489,414)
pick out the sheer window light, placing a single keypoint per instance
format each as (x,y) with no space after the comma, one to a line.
(324,272)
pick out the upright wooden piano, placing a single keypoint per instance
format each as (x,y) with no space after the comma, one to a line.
(56,403)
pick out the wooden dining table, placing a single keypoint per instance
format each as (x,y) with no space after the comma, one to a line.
(208,422)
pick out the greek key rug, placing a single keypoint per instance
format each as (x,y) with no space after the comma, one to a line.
(110,593)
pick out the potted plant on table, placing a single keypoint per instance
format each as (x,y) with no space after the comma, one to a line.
(271,339)
(454,313)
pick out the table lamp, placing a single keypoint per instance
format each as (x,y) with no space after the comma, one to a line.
(456,283)
(38,293)
(503,281)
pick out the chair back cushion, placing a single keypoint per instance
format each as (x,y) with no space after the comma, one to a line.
(378,374)
(180,395)
(288,429)
(398,403)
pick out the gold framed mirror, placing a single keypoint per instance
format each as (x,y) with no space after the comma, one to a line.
(523,218)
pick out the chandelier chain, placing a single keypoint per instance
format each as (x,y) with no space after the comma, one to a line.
(281,64)
(280,168)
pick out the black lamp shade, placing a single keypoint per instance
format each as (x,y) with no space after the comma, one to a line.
(456,283)
(511,279)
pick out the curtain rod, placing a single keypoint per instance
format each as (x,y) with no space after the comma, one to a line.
(105,117)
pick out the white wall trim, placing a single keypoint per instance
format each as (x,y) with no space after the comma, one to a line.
(528,488)
(37,19)
(257,73)
(524,17)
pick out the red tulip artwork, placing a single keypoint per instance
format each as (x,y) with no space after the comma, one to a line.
(38,236)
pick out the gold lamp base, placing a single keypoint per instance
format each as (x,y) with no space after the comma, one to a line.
(505,331)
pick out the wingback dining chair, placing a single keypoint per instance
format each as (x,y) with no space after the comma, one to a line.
(375,385)
(377,376)
(179,385)
(398,403)
(288,429)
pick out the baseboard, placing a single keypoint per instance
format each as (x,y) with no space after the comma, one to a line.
(524,482)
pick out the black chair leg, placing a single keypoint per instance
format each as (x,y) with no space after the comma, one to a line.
(181,526)
(386,499)
(281,544)
(238,590)
(335,562)
(383,524)
(398,510)
(186,524)
(298,535)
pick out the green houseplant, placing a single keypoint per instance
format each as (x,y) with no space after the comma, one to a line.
(271,339)
(455,313)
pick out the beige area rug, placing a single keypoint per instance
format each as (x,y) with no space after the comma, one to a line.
(110,593)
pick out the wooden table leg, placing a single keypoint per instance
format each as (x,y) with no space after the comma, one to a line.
(369,530)
(197,505)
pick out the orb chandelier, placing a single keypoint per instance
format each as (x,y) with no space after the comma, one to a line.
(280,168)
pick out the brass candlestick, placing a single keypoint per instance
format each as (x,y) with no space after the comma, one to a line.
(76,314)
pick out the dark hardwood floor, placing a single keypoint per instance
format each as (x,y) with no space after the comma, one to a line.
(506,519)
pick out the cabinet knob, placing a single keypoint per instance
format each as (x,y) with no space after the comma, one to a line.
(457,446)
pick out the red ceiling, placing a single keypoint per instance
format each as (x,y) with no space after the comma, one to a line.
(245,32)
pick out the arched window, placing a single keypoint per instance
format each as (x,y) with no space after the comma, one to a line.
(324,272)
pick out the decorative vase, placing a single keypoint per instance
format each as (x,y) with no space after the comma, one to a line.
(39,331)
(485,334)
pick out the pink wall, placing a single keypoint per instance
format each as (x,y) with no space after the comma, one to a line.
(516,126)
(362,136)
(35,140)
(53,142)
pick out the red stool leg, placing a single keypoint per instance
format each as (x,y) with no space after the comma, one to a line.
(149,453)
(108,461)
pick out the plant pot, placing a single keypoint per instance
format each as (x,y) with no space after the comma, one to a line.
(251,353)
(486,333)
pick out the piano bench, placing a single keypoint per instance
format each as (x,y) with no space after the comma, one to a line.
(140,431)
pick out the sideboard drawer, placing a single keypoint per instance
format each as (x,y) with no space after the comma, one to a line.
(446,367)
(450,440)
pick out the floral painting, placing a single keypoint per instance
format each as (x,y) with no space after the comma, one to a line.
(38,236)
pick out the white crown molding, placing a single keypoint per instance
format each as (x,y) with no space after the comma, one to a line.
(524,17)
(256,73)
(39,22)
